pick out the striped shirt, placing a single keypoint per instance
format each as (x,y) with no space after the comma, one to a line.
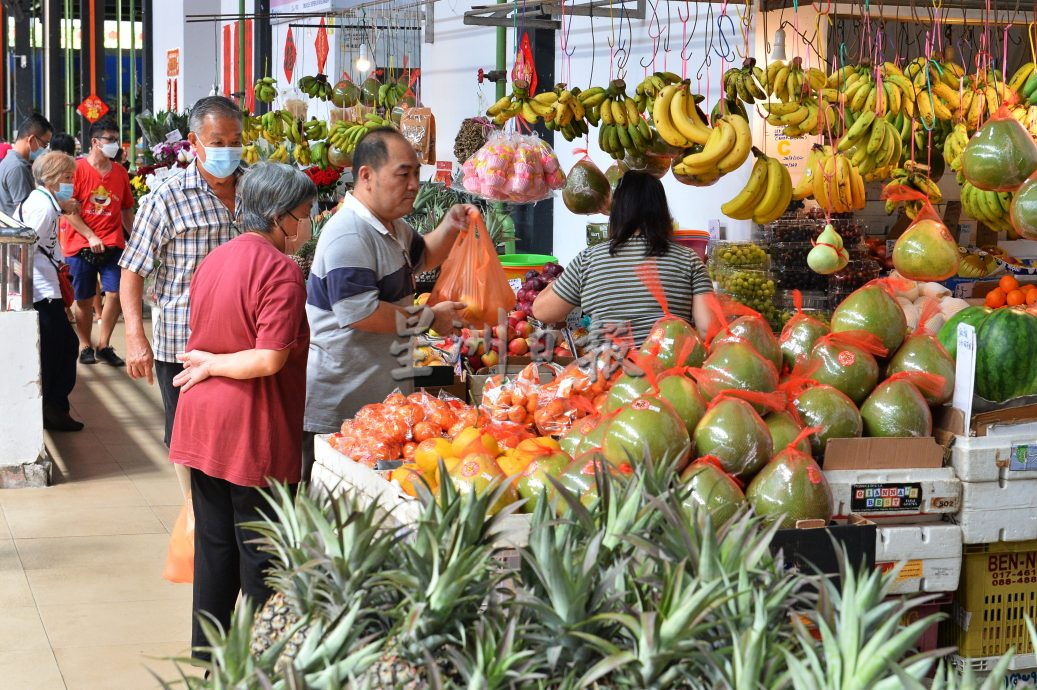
(608,289)
(179,223)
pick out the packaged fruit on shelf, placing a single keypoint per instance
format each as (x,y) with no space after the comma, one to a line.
(799,279)
(752,287)
(789,255)
(741,254)
(856,274)
(515,399)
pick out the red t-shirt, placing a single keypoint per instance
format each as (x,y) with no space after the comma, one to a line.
(102,198)
(246,294)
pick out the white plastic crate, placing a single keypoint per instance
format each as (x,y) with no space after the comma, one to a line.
(898,495)
(995,511)
(931,553)
(1022,670)
(336,473)
(1006,453)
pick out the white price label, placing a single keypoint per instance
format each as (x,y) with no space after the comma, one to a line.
(174,136)
(965,372)
(515,283)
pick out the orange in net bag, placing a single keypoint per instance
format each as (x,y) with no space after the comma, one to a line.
(926,250)
(472,274)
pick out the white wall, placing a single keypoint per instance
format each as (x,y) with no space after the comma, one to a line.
(197,49)
(21,404)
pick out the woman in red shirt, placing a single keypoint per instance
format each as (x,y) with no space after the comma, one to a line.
(243,389)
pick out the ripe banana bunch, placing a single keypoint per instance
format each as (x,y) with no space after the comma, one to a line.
(765,196)
(570,115)
(1027,117)
(989,208)
(980,100)
(390,94)
(302,153)
(747,83)
(316,87)
(273,125)
(315,129)
(891,92)
(293,131)
(837,185)
(1024,83)
(728,106)
(648,90)
(911,176)
(251,129)
(798,119)
(521,103)
(319,154)
(677,117)
(954,146)
(279,155)
(265,89)
(873,145)
(345,135)
(622,129)
(250,154)
(727,147)
(591,100)
(786,80)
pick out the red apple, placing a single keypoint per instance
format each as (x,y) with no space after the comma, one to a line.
(518,347)
(490,359)
(523,329)
(519,315)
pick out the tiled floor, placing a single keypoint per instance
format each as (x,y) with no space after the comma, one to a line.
(83,605)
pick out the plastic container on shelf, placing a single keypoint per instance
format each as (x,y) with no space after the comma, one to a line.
(738,254)
(516,265)
(789,255)
(753,287)
(696,240)
(815,303)
(856,274)
(800,279)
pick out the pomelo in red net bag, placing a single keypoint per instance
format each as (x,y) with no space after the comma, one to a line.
(923,353)
(926,250)
(846,361)
(625,389)
(672,342)
(733,432)
(735,363)
(874,309)
(647,427)
(713,489)
(791,488)
(1001,155)
(747,324)
(784,429)
(829,411)
(897,407)
(800,334)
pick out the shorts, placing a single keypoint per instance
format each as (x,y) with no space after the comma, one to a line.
(84,275)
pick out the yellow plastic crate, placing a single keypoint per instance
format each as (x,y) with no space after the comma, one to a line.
(998,590)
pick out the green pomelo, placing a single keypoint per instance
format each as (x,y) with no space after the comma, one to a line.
(926,251)
(922,352)
(647,427)
(948,335)
(682,393)
(534,484)
(587,190)
(759,334)
(584,435)
(874,310)
(845,367)
(1000,156)
(713,490)
(1024,210)
(784,430)
(734,433)
(791,487)
(671,338)
(625,390)
(579,478)
(798,338)
(737,364)
(896,408)
(832,411)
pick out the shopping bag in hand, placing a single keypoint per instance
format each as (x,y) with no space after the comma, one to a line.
(473,274)
(180,558)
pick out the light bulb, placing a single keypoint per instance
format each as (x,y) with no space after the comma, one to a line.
(363,64)
(778,52)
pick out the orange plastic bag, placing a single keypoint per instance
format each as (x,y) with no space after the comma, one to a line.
(180,557)
(473,274)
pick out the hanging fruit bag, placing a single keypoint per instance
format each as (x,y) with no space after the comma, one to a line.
(926,250)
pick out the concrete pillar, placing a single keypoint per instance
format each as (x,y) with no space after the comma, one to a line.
(23,459)
(53,64)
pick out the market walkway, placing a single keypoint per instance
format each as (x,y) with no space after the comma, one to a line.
(83,605)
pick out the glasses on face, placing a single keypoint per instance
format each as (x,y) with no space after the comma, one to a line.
(108,140)
(303,224)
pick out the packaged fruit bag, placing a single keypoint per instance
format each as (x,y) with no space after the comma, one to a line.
(514,168)
(1001,156)
(926,250)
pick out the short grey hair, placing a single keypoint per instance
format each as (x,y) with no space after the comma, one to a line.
(269,191)
(217,106)
(52,166)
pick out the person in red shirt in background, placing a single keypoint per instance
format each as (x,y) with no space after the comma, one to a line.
(243,388)
(96,240)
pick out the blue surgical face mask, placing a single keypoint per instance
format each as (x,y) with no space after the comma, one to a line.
(222,161)
(33,155)
(64,192)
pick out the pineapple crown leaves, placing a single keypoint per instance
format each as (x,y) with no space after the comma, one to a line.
(494,658)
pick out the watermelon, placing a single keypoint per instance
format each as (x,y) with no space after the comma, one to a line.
(734,433)
(759,334)
(1005,365)
(650,427)
(828,408)
(948,335)
(713,489)
(896,408)
(791,487)
(922,352)
(684,395)
(799,336)
(846,367)
(737,364)
(784,430)
(873,309)
(672,342)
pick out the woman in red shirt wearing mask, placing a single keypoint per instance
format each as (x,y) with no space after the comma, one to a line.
(243,390)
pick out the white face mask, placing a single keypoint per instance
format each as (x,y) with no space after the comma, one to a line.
(111,149)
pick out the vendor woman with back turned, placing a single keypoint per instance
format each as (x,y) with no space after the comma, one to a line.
(603,281)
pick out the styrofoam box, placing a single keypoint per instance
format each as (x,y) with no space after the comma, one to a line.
(1005,453)
(1022,670)
(996,511)
(939,493)
(931,553)
(336,473)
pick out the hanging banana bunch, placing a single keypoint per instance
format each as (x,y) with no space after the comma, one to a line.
(785,81)
(873,145)
(747,83)
(316,87)
(727,147)
(302,154)
(345,135)
(272,126)
(802,118)
(315,129)
(622,130)
(912,175)
(265,90)
(677,117)
(570,115)
(391,94)
(954,145)
(766,195)
(1024,83)
(647,91)
(727,106)
(990,208)
(833,182)
(520,103)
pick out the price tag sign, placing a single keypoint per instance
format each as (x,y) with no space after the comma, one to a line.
(174,136)
(882,498)
(965,372)
(515,283)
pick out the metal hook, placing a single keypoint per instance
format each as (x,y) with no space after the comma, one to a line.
(685,55)
(707,60)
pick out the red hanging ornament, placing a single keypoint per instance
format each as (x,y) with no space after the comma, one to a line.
(525,68)
(289,56)
(321,44)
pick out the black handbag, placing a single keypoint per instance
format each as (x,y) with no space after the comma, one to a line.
(98,259)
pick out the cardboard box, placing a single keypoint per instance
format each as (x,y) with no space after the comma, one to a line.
(950,422)
(882,453)
(809,546)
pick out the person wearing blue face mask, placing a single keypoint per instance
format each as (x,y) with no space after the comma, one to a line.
(40,211)
(16,168)
(193,211)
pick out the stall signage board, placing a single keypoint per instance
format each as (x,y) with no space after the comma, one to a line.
(173,62)
(965,373)
(876,498)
